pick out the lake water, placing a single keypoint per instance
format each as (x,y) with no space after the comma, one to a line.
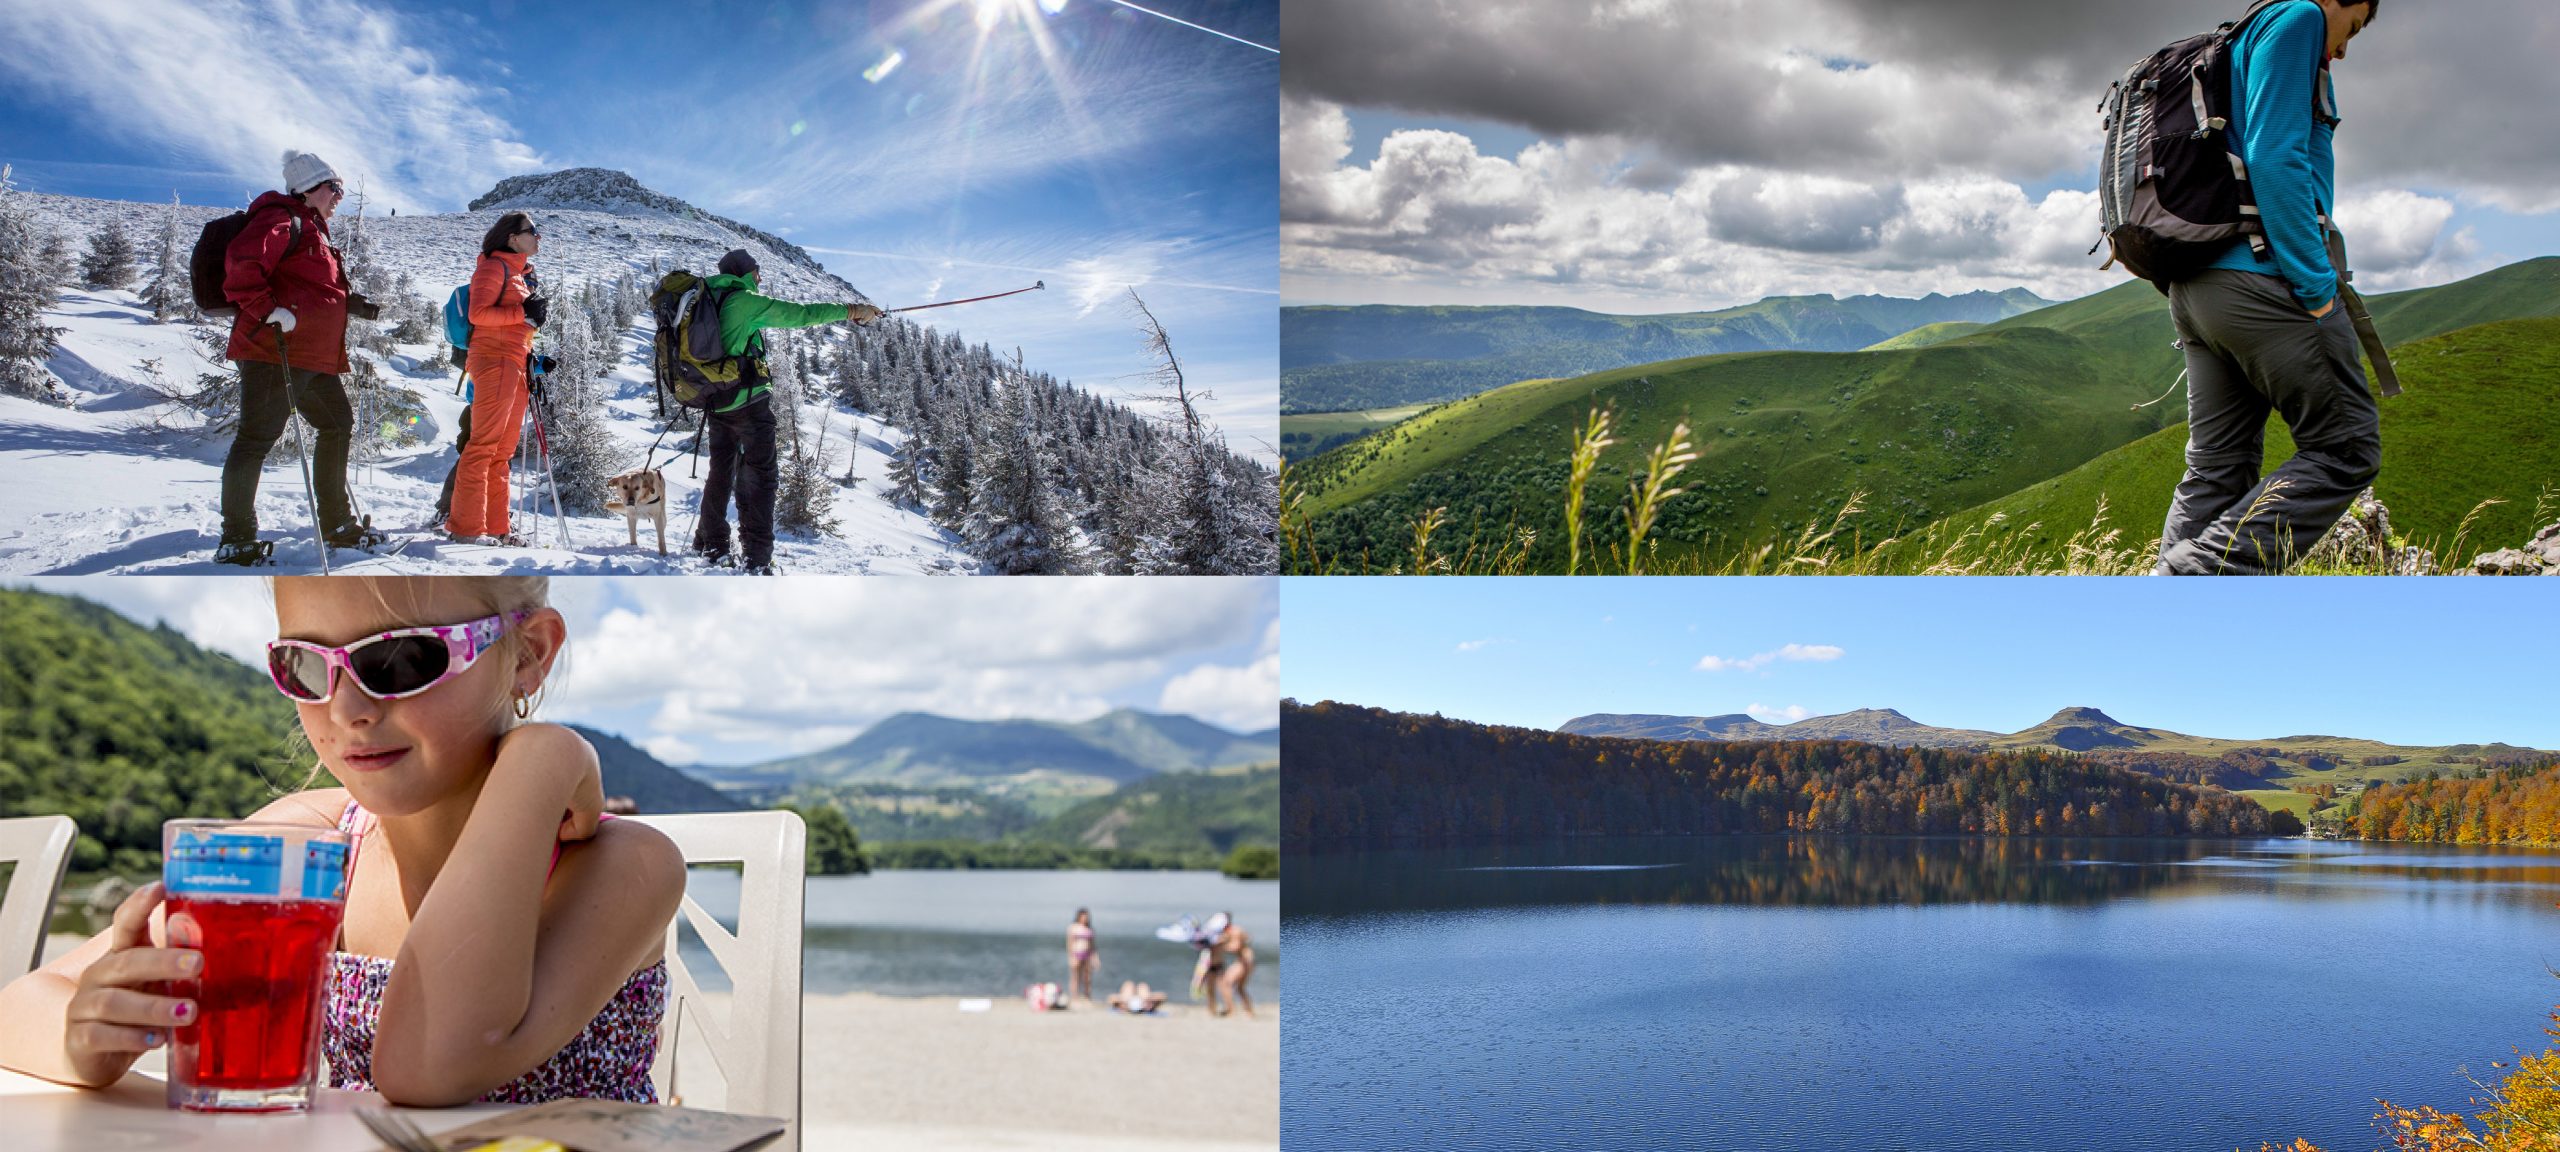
(916,933)
(1776,993)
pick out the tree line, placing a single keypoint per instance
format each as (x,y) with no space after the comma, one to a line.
(1365,777)
(2516,805)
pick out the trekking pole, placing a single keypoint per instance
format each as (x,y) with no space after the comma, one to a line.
(293,413)
(1036,285)
(542,440)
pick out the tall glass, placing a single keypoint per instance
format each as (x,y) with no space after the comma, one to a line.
(263,902)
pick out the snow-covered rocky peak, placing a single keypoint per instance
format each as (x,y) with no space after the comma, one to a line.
(605,190)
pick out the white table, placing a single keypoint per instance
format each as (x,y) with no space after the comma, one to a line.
(39,1116)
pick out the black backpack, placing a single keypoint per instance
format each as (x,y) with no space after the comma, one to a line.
(2172,191)
(686,352)
(205,269)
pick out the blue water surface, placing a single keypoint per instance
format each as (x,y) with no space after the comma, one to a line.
(1775,993)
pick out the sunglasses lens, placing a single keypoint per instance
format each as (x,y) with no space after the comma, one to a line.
(402,665)
(299,673)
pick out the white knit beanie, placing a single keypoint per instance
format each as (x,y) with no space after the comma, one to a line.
(304,172)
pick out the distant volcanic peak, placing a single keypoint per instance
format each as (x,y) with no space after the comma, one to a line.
(598,188)
(605,190)
(1885,717)
(2083,716)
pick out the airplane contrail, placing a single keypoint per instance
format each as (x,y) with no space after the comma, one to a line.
(1188,24)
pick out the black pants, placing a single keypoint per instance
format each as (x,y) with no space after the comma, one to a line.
(2252,350)
(461,440)
(741,454)
(264,407)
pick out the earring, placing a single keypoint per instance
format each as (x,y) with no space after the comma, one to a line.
(524,706)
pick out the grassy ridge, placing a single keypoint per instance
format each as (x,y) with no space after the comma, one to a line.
(2477,423)
(1927,334)
(1352,358)
(1785,440)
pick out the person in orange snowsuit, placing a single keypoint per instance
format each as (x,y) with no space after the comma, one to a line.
(506,308)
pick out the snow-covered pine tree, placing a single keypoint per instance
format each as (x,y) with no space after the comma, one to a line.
(805,502)
(910,483)
(109,261)
(1208,530)
(1017,521)
(584,450)
(167,291)
(61,261)
(366,274)
(26,292)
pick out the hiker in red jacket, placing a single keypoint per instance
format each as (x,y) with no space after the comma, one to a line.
(285,279)
(506,307)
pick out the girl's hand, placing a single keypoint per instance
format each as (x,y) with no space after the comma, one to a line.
(117,1013)
(586,806)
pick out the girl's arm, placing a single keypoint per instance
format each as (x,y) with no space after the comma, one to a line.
(503,967)
(85,1018)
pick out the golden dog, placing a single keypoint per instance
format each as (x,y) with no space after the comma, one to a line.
(638,494)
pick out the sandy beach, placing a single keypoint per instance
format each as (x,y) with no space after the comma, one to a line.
(889,1073)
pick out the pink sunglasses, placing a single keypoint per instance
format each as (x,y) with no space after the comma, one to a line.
(394,665)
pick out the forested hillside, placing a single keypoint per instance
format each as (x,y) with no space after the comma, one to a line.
(1363,777)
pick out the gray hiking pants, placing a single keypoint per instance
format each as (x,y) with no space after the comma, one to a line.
(2251,350)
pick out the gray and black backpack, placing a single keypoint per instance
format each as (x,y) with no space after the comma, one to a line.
(2172,191)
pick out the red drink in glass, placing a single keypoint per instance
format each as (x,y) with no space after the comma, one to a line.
(262,902)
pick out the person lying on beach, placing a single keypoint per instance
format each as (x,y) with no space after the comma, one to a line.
(1136,998)
(502,942)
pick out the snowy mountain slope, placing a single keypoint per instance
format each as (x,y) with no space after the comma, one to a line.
(85,490)
(997,466)
(591,230)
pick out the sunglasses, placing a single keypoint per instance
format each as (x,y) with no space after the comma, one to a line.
(331,185)
(533,232)
(392,666)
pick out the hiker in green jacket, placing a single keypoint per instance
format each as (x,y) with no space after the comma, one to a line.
(742,429)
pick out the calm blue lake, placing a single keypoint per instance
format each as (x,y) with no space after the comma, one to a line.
(1789,993)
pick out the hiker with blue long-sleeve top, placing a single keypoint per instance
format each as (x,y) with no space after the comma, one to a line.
(2265,328)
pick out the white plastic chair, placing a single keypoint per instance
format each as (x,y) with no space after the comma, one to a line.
(755,1041)
(39,846)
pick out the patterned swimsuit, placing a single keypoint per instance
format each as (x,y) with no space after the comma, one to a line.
(608,1061)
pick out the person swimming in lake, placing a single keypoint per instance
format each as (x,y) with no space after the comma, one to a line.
(502,941)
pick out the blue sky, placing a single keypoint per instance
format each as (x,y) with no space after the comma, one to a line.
(1076,141)
(2409,661)
(728,672)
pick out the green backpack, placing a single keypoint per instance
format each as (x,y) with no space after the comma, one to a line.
(686,353)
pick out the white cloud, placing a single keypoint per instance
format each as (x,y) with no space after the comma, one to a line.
(807,662)
(1789,654)
(233,617)
(1435,216)
(671,749)
(1243,698)
(1475,645)
(236,83)
(1768,715)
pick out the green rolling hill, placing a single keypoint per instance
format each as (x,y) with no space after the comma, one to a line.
(1784,439)
(1927,334)
(2477,423)
(1337,359)
(1044,764)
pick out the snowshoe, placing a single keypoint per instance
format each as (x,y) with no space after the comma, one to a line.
(764,569)
(357,533)
(714,556)
(245,553)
